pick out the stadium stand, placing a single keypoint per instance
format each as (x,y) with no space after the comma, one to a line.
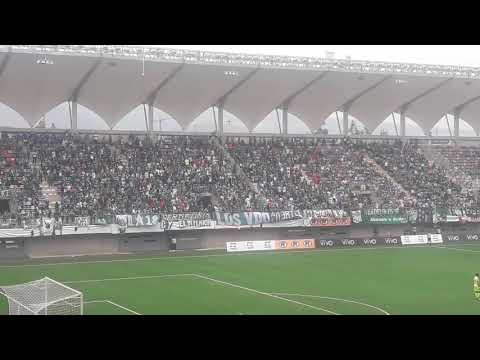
(301,173)
(74,174)
(84,175)
(426,181)
(461,164)
(466,158)
(95,176)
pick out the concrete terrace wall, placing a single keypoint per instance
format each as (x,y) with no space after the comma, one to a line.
(96,244)
(71,245)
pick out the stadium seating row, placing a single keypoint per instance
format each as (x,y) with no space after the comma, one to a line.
(118,175)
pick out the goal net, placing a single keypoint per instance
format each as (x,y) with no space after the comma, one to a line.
(42,297)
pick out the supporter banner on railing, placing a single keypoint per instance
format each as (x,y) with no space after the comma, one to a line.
(29,224)
(384,216)
(197,220)
(327,218)
(330,222)
(424,215)
(456,215)
(138,220)
(203,220)
(6,223)
(472,215)
(47,226)
(82,221)
(186,216)
(263,245)
(317,218)
(137,223)
(102,220)
(162,222)
(250,218)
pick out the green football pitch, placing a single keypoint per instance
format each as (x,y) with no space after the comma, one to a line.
(354,281)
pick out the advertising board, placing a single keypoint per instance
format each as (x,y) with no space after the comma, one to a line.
(263,245)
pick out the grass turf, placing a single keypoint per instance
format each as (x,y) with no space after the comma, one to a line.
(404,280)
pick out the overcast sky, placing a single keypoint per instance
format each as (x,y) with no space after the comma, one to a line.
(466,55)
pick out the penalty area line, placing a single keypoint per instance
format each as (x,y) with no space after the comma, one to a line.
(337,299)
(94,301)
(455,249)
(113,304)
(126,278)
(266,294)
(199,276)
(123,307)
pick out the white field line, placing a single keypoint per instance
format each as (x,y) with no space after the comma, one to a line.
(79,255)
(126,278)
(217,255)
(123,307)
(476,244)
(113,304)
(264,293)
(455,249)
(337,299)
(209,279)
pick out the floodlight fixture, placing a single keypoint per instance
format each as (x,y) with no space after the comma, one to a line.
(231,73)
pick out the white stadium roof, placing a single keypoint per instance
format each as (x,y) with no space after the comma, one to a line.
(113,80)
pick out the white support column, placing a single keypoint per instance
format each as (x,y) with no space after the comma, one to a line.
(74,115)
(285,119)
(345,121)
(150,117)
(456,123)
(402,124)
(220,120)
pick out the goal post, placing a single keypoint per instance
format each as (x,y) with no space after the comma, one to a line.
(43,297)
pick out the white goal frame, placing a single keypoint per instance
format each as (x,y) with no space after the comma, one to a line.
(43,297)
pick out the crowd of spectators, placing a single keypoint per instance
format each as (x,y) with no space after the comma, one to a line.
(309,174)
(462,164)
(461,160)
(18,178)
(107,175)
(426,182)
(98,176)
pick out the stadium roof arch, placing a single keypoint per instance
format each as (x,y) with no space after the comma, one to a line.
(114,80)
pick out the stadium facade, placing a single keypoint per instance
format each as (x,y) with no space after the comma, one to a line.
(113,80)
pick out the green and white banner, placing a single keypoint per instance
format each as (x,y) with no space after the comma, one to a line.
(456,215)
(384,216)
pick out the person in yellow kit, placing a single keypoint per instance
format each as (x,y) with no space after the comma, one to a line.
(476,286)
